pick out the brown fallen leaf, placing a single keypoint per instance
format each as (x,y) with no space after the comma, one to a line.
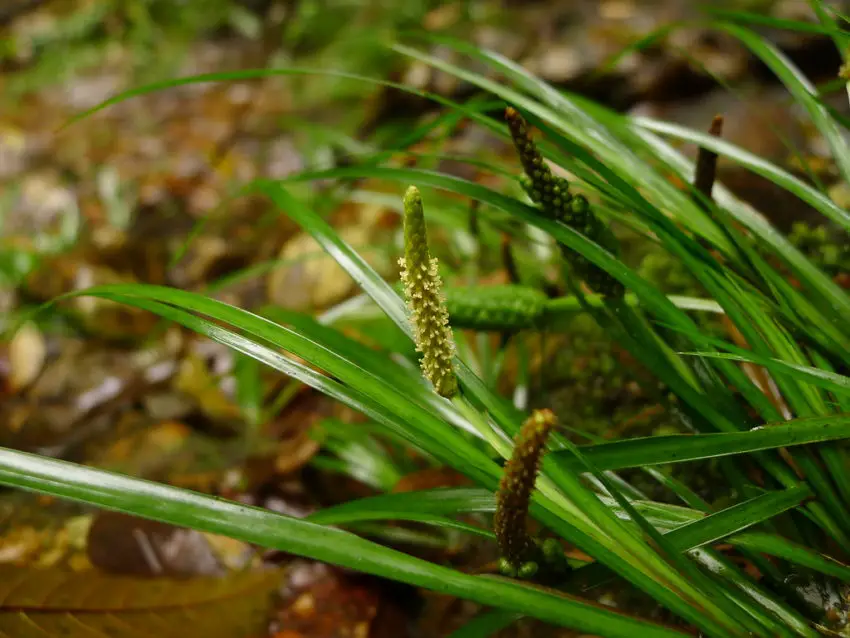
(35,603)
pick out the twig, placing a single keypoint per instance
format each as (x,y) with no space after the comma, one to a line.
(706,169)
(508,260)
(474,227)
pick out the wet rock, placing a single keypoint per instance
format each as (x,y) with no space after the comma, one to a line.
(122,544)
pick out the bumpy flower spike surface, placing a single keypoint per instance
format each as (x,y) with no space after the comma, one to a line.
(553,198)
(521,555)
(498,307)
(548,191)
(422,289)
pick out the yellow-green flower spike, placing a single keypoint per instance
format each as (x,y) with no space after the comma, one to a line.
(422,289)
(510,523)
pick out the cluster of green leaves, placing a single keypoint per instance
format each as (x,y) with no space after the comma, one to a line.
(788,510)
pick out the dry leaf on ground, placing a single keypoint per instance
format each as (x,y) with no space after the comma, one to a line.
(35,603)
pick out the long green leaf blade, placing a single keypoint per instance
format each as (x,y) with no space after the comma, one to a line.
(679,448)
(800,87)
(254,525)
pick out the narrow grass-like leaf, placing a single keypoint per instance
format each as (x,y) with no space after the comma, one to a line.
(798,554)
(650,297)
(420,426)
(698,528)
(816,376)
(679,448)
(558,110)
(355,454)
(380,292)
(718,526)
(249,390)
(403,515)
(424,423)
(501,411)
(753,162)
(480,470)
(749,17)
(800,87)
(379,364)
(486,624)
(784,620)
(298,371)
(267,529)
(833,298)
(441,501)
(840,37)
(685,528)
